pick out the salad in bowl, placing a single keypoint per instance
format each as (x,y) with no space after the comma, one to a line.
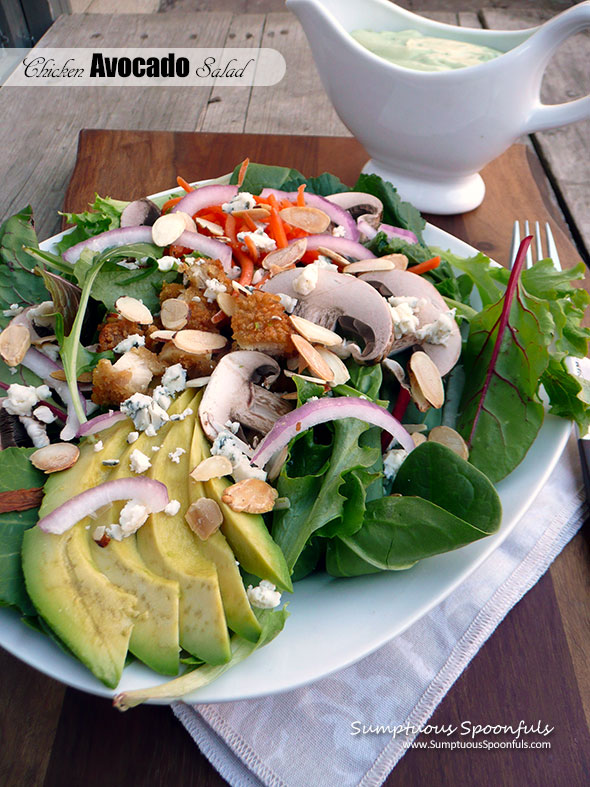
(212,394)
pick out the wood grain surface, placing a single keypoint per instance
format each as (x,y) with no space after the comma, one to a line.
(534,667)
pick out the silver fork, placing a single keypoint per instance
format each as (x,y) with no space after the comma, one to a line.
(550,243)
(578,366)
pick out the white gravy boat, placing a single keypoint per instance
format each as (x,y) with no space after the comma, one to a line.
(430,133)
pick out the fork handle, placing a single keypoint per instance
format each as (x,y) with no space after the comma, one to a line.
(546,41)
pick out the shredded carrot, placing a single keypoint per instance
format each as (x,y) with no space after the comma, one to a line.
(219,317)
(184,184)
(249,222)
(301,196)
(178,251)
(251,246)
(230,229)
(285,203)
(272,201)
(242,172)
(424,267)
(277,228)
(170,204)
(261,200)
(247,266)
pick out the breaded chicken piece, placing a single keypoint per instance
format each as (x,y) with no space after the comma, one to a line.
(261,323)
(201,270)
(195,365)
(110,385)
(115,329)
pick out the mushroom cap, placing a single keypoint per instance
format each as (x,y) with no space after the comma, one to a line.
(405,283)
(359,205)
(235,393)
(140,212)
(339,298)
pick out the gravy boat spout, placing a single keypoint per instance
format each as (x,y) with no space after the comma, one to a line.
(431,132)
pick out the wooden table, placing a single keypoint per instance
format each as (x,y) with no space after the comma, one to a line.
(535,666)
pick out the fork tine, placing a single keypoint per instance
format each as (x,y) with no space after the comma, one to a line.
(538,241)
(551,247)
(515,242)
(529,254)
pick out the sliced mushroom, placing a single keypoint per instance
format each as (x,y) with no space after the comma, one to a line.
(360,206)
(236,393)
(342,300)
(406,284)
(140,212)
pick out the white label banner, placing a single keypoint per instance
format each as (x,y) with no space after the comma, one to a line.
(141,67)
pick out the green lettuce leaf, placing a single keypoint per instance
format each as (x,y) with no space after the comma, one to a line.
(18,282)
(104,215)
(261,176)
(16,472)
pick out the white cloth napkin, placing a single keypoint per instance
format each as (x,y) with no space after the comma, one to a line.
(304,737)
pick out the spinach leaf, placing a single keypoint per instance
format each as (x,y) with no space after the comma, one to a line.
(445,503)
(505,357)
(104,214)
(383,244)
(478,270)
(18,282)
(16,472)
(144,284)
(395,211)
(568,394)
(260,176)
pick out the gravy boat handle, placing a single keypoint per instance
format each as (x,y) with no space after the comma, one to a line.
(547,40)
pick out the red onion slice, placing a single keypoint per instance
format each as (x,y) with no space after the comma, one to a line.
(205,197)
(212,248)
(344,246)
(321,411)
(101,422)
(339,216)
(108,240)
(148,492)
(407,235)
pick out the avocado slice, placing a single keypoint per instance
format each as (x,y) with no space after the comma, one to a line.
(155,638)
(170,548)
(91,615)
(239,614)
(247,534)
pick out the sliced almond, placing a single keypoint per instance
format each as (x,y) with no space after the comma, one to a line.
(397,370)
(198,382)
(260,212)
(427,377)
(168,228)
(204,517)
(163,336)
(305,377)
(415,428)
(250,495)
(400,261)
(15,340)
(452,439)
(276,463)
(417,396)
(174,314)
(227,303)
(214,229)
(365,266)
(314,333)
(333,255)
(59,374)
(41,340)
(338,367)
(418,438)
(212,467)
(189,222)
(282,259)
(311,358)
(312,220)
(198,342)
(55,457)
(134,310)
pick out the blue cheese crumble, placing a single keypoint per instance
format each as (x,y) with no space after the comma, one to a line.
(134,340)
(264,596)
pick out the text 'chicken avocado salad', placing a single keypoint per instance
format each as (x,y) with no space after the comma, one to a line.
(208,396)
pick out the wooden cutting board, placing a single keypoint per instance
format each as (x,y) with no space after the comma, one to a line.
(533,666)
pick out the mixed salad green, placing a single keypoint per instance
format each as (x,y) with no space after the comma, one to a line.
(338,508)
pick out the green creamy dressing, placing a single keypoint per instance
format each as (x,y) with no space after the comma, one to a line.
(411,49)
